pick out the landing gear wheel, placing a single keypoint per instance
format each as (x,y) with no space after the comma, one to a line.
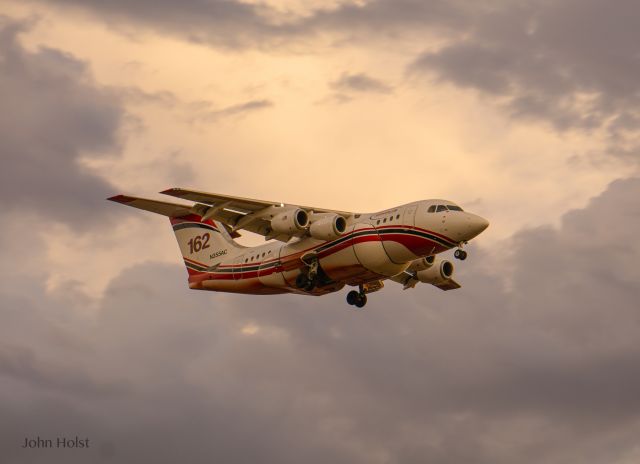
(310,286)
(352,297)
(460,254)
(361,301)
(356,299)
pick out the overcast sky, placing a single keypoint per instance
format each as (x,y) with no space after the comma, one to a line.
(524,112)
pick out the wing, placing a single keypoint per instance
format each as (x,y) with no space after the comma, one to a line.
(164,208)
(242,213)
(409,280)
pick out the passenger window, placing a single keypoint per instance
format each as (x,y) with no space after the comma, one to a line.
(378,221)
(441,208)
(391,218)
(397,216)
(432,209)
(263,255)
(384,220)
(246,260)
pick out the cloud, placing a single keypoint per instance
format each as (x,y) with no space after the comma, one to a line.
(235,24)
(360,83)
(225,23)
(54,114)
(207,116)
(541,371)
(388,18)
(571,63)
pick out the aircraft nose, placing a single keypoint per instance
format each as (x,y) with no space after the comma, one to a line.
(476,224)
(463,226)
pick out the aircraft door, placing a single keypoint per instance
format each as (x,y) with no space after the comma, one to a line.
(270,272)
(409,216)
(398,242)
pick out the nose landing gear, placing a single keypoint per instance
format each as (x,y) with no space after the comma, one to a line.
(460,254)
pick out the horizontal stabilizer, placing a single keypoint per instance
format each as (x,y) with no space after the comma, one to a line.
(160,207)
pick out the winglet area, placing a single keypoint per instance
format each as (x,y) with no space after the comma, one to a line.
(164,208)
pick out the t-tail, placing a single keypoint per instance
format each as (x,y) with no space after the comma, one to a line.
(204,244)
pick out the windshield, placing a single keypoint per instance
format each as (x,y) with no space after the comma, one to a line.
(439,208)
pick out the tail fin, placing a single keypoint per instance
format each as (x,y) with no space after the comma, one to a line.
(203,244)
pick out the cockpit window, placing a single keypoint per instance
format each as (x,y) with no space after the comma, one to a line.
(454,208)
(441,208)
(432,209)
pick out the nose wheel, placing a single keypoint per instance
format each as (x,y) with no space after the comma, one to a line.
(460,254)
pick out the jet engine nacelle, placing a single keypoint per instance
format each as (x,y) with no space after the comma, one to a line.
(439,272)
(328,227)
(421,264)
(290,222)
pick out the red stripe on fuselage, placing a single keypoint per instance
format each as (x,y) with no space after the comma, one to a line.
(414,243)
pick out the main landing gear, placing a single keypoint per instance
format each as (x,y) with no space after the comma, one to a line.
(311,275)
(357,298)
(304,282)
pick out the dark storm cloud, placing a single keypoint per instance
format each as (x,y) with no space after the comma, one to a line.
(360,82)
(572,63)
(390,17)
(233,23)
(52,115)
(541,370)
(226,23)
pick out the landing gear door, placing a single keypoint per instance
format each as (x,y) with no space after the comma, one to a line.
(409,215)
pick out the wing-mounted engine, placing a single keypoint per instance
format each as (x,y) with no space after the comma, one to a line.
(422,264)
(289,222)
(273,220)
(429,270)
(437,274)
(327,226)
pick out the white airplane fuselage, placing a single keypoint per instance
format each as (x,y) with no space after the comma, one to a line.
(374,247)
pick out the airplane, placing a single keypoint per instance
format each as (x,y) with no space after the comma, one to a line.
(313,251)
